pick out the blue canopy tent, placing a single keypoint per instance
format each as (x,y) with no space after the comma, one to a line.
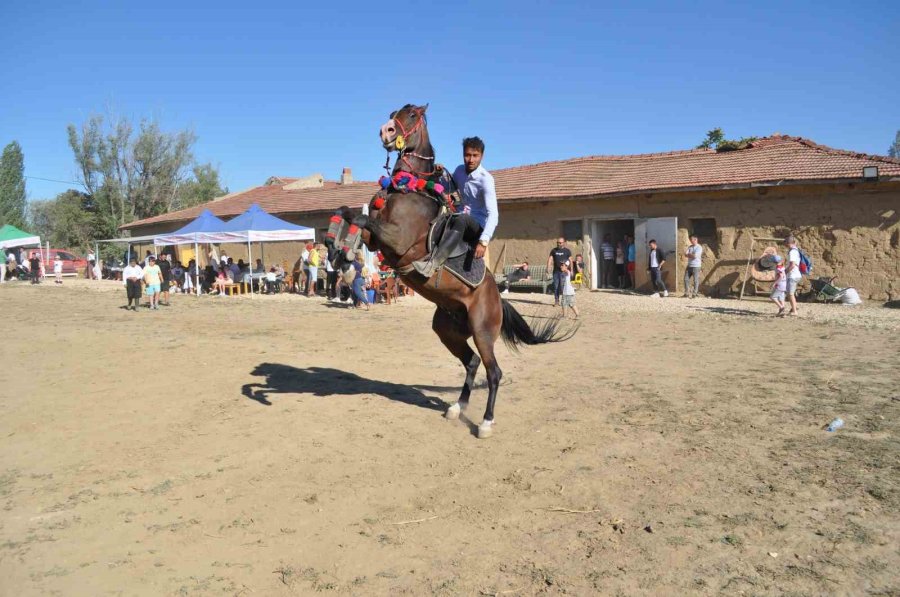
(197,231)
(257,225)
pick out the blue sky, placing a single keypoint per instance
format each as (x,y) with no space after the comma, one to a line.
(287,89)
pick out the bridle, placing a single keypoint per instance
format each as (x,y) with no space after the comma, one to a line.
(402,153)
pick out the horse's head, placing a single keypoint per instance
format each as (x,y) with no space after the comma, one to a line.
(406,129)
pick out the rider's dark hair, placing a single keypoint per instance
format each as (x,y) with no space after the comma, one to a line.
(473,143)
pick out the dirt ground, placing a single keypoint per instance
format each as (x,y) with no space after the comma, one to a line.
(282,446)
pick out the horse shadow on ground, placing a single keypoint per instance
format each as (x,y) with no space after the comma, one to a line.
(325,382)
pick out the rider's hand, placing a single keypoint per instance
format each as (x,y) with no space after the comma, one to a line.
(479,251)
(438,168)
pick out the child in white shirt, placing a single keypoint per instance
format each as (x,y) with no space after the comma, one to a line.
(57,269)
(568,294)
(779,286)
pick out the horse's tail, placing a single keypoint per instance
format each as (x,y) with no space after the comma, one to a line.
(516,331)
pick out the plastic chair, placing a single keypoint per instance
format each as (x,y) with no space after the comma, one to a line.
(579,280)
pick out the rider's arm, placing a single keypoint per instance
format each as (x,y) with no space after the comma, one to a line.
(490,203)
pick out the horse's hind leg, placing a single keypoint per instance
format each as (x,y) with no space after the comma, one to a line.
(484,321)
(454,334)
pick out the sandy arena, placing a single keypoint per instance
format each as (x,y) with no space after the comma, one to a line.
(282,446)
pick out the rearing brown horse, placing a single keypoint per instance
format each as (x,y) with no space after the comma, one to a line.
(399,230)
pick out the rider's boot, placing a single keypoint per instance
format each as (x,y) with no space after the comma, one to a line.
(439,255)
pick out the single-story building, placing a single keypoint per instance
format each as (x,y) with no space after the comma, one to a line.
(844,208)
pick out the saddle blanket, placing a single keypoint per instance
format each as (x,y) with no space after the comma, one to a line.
(470,271)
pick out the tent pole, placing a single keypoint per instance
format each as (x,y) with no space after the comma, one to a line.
(196,268)
(250,259)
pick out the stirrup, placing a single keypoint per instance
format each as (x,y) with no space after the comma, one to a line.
(425,267)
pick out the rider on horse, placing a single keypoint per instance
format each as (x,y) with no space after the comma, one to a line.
(478,216)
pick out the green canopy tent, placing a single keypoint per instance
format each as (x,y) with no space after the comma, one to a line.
(10,237)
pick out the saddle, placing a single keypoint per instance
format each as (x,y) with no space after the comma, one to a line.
(461,261)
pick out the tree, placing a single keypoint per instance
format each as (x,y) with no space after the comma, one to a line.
(70,220)
(12,186)
(130,175)
(894,149)
(716,139)
(204,187)
(713,138)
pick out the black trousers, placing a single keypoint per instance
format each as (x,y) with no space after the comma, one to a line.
(133,288)
(468,226)
(331,284)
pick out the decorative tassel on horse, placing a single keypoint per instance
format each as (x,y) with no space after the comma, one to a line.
(351,242)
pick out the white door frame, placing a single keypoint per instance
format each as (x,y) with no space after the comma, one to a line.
(594,237)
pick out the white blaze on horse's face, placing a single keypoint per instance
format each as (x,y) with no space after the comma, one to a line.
(389,134)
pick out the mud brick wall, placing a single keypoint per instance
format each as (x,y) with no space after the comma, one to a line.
(850,230)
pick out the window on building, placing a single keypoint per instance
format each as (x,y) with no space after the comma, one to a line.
(571,230)
(704,228)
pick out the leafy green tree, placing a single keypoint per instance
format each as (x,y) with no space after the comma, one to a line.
(715,139)
(12,186)
(68,221)
(204,187)
(894,150)
(130,174)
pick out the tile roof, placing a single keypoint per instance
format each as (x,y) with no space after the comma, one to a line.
(775,159)
(770,160)
(275,200)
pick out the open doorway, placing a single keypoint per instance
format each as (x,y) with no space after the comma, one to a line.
(616,229)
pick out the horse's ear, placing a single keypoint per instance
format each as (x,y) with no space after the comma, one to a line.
(425,108)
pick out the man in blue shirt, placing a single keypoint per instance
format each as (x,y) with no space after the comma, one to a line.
(478,216)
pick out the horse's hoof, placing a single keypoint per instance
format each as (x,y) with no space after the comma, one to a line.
(453,412)
(486,429)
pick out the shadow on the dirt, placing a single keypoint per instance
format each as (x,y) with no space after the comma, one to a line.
(325,381)
(731,311)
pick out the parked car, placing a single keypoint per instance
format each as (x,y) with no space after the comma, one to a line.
(72,264)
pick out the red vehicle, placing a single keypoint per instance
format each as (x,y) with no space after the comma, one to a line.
(72,263)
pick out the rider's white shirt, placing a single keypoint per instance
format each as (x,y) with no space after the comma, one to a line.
(479,198)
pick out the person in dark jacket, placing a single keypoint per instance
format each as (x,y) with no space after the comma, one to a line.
(654,266)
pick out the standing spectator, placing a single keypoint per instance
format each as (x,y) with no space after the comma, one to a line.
(694,254)
(92,261)
(620,264)
(313,272)
(131,277)
(561,254)
(153,281)
(568,295)
(331,276)
(57,269)
(304,268)
(358,287)
(792,269)
(189,278)
(629,259)
(165,269)
(147,258)
(654,266)
(2,266)
(607,265)
(779,286)
(35,267)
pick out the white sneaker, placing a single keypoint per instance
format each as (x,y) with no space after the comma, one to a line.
(665,293)
(654,295)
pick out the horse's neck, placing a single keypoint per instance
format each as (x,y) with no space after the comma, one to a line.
(416,159)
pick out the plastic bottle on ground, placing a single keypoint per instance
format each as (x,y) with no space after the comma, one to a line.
(835,425)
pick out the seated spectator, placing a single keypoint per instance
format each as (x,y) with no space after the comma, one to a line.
(519,273)
(222,280)
(271,281)
(259,268)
